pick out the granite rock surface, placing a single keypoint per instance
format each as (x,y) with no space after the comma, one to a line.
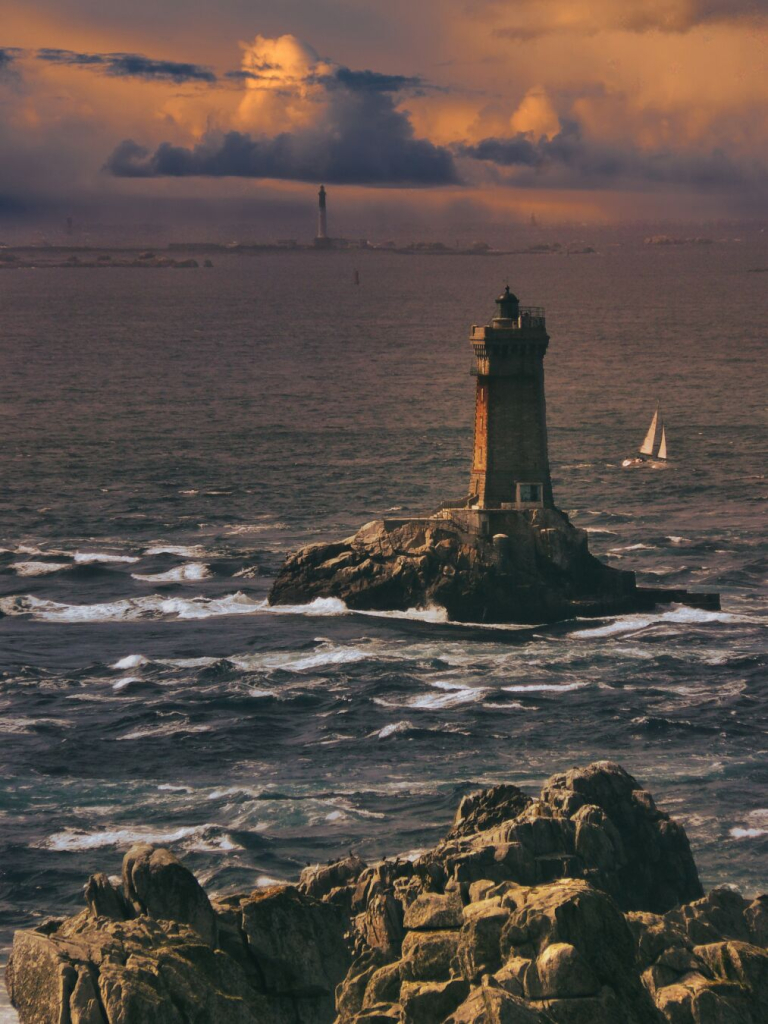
(581,906)
(530,566)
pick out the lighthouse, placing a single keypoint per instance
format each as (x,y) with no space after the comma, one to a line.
(322,241)
(510,462)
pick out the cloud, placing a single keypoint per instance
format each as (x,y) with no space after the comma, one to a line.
(372,81)
(304,118)
(364,141)
(535,18)
(570,160)
(130,65)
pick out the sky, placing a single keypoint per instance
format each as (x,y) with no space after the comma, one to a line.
(575,110)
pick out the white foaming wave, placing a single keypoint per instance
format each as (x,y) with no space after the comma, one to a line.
(634,547)
(131,661)
(600,531)
(261,693)
(167,729)
(121,684)
(454,695)
(678,540)
(37,568)
(680,614)
(189,571)
(554,687)
(320,606)
(185,550)
(748,833)
(72,839)
(129,609)
(393,729)
(432,613)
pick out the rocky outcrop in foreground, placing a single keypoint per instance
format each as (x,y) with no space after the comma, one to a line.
(582,906)
(531,566)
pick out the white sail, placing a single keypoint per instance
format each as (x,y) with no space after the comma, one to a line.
(663,445)
(646,448)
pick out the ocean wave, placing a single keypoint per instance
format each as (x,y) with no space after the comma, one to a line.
(166,729)
(185,550)
(152,606)
(189,571)
(393,729)
(600,531)
(27,725)
(453,696)
(121,684)
(748,833)
(633,547)
(553,687)
(86,557)
(679,614)
(37,568)
(203,838)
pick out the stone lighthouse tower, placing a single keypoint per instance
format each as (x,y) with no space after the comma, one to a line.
(510,462)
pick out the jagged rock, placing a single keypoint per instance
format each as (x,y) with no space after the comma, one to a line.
(543,571)
(427,1002)
(589,912)
(156,883)
(490,807)
(490,1005)
(432,911)
(104,900)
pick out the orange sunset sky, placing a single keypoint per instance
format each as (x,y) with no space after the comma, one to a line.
(595,110)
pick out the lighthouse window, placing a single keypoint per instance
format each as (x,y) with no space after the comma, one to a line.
(529,493)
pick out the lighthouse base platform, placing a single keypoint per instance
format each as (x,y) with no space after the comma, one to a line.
(480,565)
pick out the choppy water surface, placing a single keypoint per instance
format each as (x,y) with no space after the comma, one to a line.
(168,436)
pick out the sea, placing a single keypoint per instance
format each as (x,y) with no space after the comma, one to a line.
(169,435)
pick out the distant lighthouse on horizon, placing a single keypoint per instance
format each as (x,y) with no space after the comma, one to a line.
(321,239)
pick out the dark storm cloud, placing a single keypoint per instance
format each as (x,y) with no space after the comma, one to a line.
(371,81)
(569,160)
(8,57)
(363,140)
(130,65)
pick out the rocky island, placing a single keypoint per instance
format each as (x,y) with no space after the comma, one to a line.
(580,906)
(502,553)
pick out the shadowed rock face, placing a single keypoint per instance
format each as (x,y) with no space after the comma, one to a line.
(582,906)
(533,566)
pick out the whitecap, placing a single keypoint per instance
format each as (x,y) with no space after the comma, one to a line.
(71,839)
(320,606)
(131,661)
(131,609)
(455,694)
(393,729)
(185,550)
(601,532)
(554,687)
(189,571)
(678,614)
(678,540)
(121,684)
(38,568)
(748,833)
(634,547)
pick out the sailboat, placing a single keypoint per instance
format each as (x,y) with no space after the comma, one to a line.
(648,445)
